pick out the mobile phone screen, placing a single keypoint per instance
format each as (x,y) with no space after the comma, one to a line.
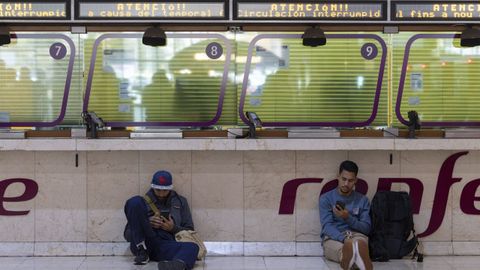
(165,214)
(340,204)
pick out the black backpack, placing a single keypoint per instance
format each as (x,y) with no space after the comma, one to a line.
(392,235)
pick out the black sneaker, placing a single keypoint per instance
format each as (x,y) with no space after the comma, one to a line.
(172,265)
(142,256)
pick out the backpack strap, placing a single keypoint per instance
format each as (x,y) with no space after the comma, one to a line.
(418,251)
(150,203)
(419,255)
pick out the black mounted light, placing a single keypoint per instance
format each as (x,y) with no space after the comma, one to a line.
(470,37)
(154,36)
(314,37)
(4,36)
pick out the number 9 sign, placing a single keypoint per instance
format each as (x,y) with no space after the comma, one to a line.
(214,50)
(369,51)
(58,51)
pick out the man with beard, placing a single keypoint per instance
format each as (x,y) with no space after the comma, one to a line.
(345,221)
(153,221)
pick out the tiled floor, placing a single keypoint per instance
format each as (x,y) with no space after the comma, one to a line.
(231,263)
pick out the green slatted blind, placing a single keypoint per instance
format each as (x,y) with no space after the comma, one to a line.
(330,83)
(32,81)
(334,83)
(442,80)
(175,83)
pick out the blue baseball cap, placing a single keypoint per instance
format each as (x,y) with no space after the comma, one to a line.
(162,180)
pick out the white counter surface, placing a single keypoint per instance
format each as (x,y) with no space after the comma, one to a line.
(202,144)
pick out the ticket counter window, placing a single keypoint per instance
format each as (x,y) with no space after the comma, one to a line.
(36,71)
(335,84)
(213,78)
(134,84)
(436,77)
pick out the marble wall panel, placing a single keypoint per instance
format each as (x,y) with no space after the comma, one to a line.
(465,226)
(108,249)
(61,203)
(269,248)
(178,163)
(306,213)
(319,164)
(224,248)
(60,249)
(436,248)
(265,173)
(425,166)
(314,164)
(20,228)
(234,196)
(373,165)
(217,197)
(309,248)
(466,248)
(16,249)
(112,178)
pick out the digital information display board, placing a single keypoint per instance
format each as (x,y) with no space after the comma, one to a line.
(444,11)
(311,10)
(373,11)
(34,10)
(150,10)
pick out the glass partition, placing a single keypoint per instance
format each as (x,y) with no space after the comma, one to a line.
(36,72)
(181,84)
(206,79)
(437,78)
(339,84)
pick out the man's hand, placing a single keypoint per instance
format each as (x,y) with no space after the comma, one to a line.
(155,222)
(339,212)
(159,222)
(167,224)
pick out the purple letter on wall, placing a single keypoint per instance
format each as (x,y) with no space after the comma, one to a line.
(445,181)
(31,190)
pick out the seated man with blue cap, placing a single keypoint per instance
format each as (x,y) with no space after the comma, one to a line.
(153,221)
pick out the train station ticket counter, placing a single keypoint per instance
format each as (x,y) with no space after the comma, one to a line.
(96,96)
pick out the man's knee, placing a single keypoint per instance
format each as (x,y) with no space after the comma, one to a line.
(361,237)
(191,247)
(332,250)
(136,202)
(363,240)
(348,242)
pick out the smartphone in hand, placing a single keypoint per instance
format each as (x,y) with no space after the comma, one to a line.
(165,214)
(340,205)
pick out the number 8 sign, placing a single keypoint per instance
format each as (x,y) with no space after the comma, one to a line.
(214,50)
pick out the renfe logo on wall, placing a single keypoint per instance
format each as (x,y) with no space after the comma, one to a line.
(31,190)
(287,202)
(444,183)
